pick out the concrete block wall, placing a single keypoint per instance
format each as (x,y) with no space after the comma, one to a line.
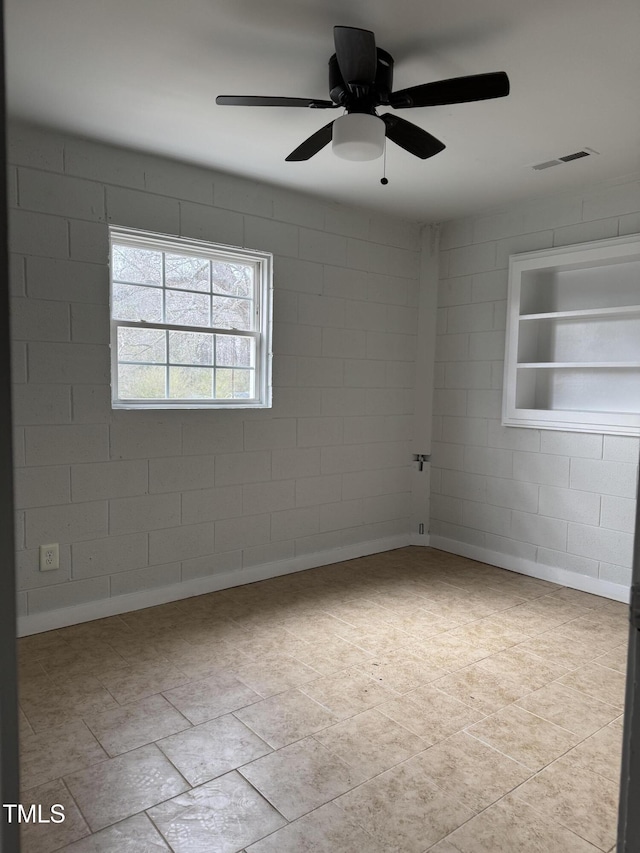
(146,500)
(563,502)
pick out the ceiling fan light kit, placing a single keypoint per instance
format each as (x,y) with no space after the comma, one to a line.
(358,136)
(360,81)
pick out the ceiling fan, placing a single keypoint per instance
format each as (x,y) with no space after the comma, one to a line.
(360,81)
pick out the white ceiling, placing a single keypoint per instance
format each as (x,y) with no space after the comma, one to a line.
(144,74)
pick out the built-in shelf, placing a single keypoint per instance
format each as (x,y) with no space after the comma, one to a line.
(596,365)
(573,338)
(584,312)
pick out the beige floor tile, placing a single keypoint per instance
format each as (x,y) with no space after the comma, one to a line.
(524,737)
(56,752)
(138,650)
(511,826)
(558,648)
(601,753)
(430,713)
(66,702)
(300,777)
(162,617)
(455,608)
(219,817)
(360,611)
(594,631)
(613,608)
(40,645)
(403,808)
(615,659)
(377,639)
(325,830)
(29,669)
(261,640)
(140,680)
(526,587)
(273,674)
(211,749)
(400,671)
(422,624)
(311,628)
(130,726)
(123,786)
(529,671)
(37,684)
(371,742)
(330,656)
(481,690)
(569,709)
(347,693)
(134,835)
(197,663)
(576,596)
(585,802)
(490,633)
(103,630)
(204,700)
(598,681)
(446,847)
(471,771)
(90,658)
(405,648)
(26,730)
(45,837)
(206,632)
(449,651)
(538,616)
(285,718)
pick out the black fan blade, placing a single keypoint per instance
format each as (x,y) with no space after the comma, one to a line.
(313,144)
(357,57)
(266,101)
(412,138)
(458,90)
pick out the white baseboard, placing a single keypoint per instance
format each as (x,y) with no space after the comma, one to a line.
(36,623)
(584,583)
(422,540)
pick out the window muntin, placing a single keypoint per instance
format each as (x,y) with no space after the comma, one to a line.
(189,323)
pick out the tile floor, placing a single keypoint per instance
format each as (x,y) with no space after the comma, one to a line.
(405,702)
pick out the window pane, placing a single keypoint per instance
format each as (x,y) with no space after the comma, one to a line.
(190,383)
(139,266)
(137,381)
(190,348)
(224,384)
(187,309)
(142,345)
(189,273)
(243,384)
(234,351)
(234,384)
(137,303)
(234,279)
(231,313)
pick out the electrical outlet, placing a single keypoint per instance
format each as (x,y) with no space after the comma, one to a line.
(49,557)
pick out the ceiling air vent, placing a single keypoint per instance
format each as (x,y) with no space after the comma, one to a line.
(566,158)
(575,156)
(546,165)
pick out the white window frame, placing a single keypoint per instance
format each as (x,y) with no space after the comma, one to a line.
(262,332)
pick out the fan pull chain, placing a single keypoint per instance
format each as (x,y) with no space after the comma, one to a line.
(383,180)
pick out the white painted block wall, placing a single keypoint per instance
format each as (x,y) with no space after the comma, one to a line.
(561,502)
(141,501)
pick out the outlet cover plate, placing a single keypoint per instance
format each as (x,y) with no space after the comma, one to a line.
(49,557)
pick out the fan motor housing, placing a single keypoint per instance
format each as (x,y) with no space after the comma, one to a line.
(379,92)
